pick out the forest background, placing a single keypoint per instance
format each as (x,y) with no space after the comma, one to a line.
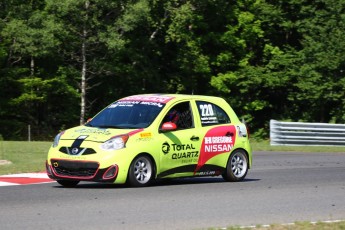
(64,60)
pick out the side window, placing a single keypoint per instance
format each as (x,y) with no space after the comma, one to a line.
(181,115)
(211,114)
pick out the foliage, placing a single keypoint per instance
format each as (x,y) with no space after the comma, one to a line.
(62,61)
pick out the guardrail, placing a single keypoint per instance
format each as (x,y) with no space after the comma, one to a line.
(300,133)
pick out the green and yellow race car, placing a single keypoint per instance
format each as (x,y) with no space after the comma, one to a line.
(140,138)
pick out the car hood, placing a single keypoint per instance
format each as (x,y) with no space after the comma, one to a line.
(95,134)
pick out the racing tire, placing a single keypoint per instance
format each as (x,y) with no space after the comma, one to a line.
(68,183)
(140,172)
(237,166)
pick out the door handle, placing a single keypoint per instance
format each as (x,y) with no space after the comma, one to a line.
(229,134)
(194,138)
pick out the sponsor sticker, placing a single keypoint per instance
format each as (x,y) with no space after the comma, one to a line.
(94,131)
(146,135)
(185,152)
(216,141)
(208,116)
(149,98)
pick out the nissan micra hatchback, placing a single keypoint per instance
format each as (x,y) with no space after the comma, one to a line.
(140,138)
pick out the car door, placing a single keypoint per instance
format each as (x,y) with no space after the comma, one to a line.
(180,148)
(218,140)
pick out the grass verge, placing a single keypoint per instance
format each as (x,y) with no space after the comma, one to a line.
(259,145)
(337,225)
(22,156)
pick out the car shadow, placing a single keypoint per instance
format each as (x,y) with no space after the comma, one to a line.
(197,180)
(159,183)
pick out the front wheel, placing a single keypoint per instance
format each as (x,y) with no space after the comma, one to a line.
(68,183)
(237,166)
(140,172)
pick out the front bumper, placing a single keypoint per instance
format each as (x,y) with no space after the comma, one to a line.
(62,169)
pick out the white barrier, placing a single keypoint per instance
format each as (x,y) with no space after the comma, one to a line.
(300,133)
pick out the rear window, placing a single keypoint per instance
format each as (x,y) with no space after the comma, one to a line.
(211,114)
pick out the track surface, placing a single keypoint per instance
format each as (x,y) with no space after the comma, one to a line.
(281,188)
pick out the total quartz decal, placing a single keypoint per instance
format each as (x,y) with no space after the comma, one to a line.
(216,141)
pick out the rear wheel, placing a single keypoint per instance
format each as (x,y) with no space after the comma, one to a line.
(68,183)
(237,167)
(140,172)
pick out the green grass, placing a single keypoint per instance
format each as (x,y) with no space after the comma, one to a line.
(30,156)
(259,145)
(23,156)
(296,226)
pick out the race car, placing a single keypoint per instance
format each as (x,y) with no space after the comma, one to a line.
(139,139)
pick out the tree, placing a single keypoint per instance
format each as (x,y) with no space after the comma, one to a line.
(270,59)
(320,74)
(244,53)
(92,29)
(29,35)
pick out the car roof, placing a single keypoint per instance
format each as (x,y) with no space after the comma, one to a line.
(171,96)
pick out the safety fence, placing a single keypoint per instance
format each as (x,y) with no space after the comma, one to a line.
(300,133)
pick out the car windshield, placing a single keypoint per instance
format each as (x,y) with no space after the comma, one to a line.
(127,115)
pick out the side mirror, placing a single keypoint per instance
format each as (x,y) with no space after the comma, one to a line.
(168,126)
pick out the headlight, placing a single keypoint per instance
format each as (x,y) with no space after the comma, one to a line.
(57,139)
(115,143)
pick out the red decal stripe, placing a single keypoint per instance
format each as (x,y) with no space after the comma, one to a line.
(217,140)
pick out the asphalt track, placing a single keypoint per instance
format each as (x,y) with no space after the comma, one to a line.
(282,187)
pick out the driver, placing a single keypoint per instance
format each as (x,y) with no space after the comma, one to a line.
(172,116)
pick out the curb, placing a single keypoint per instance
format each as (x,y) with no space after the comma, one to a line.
(25,179)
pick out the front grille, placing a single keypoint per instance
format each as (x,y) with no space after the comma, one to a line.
(77,151)
(80,169)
